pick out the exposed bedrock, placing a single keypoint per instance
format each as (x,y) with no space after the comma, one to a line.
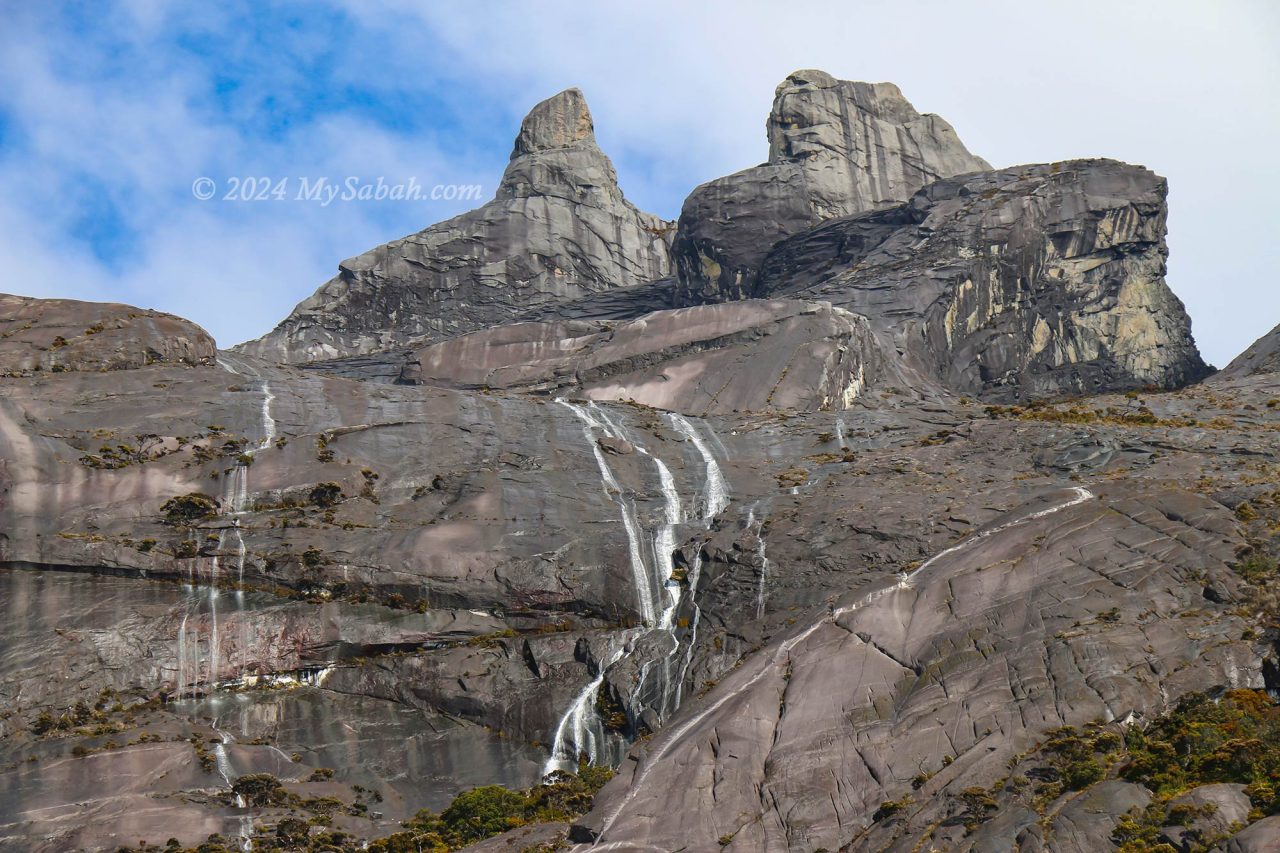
(1263,356)
(58,335)
(948,671)
(557,229)
(1026,282)
(835,147)
(754,355)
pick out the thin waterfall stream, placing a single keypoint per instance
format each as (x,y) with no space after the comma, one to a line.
(657,590)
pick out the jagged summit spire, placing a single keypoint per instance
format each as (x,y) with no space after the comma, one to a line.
(812,107)
(836,147)
(558,122)
(558,228)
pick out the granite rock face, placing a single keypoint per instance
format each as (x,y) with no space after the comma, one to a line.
(1262,357)
(764,555)
(1026,282)
(835,148)
(557,229)
(754,355)
(511,552)
(68,335)
(878,681)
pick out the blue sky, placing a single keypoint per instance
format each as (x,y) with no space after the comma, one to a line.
(110,110)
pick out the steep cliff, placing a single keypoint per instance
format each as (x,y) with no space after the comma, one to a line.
(708,359)
(1026,282)
(765,556)
(1263,356)
(835,147)
(557,229)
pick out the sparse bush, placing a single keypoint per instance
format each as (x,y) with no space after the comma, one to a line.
(325,495)
(184,509)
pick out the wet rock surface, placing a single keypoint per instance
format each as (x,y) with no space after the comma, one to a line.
(712,359)
(769,556)
(520,612)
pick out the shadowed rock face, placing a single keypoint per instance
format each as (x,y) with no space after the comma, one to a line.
(1262,357)
(490,513)
(712,359)
(67,335)
(760,554)
(970,656)
(557,229)
(835,147)
(1026,282)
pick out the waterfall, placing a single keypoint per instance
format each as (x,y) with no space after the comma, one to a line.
(664,543)
(238,500)
(764,561)
(695,572)
(642,583)
(213,618)
(716,489)
(580,729)
(228,774)
(235,499)
(906,580)
(181,677)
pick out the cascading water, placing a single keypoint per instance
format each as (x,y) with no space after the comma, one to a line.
(579,729)
(223,762)
(764,561)
(715,498)
(642,582)
(904,581)
(235,500)
(716,491)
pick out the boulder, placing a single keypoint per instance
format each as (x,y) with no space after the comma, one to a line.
(1261,837)
(1205,814)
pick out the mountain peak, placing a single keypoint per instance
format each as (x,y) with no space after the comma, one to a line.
(558,122)
(813,107)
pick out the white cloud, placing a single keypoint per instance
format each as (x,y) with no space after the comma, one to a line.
(679,93)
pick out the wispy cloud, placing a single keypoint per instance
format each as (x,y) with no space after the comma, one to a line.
(108,114)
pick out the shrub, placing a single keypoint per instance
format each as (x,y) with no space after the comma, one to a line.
(193,506)
(326,495)
(1236,739)
(260,789)
(484,812)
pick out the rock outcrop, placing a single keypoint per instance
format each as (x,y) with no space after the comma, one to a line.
(1026,282)
(1263,356)
(946,674)
(60,335)
(835,148)
(764,555)
(754,355)
(557,229)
